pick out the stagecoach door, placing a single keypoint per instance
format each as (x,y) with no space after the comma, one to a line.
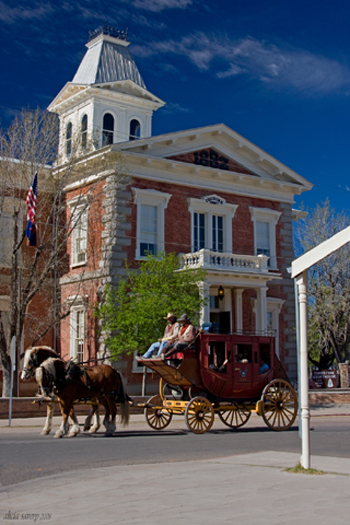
(244,357)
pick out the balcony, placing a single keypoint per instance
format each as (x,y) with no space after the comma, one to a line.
(228,262)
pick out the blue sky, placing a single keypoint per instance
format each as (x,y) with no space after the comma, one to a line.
(276,72)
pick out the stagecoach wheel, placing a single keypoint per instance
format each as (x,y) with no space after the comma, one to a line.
(199,415)
(279,405)
(156,416)
(235,417)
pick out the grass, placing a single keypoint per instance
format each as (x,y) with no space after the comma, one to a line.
(299,469)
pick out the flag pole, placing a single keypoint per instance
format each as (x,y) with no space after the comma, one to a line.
(13,366)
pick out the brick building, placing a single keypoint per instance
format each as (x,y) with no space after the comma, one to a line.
(206,193)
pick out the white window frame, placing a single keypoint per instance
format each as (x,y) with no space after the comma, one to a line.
(78,307)
(272,218)
(227,211)
(78,206)
(150,198)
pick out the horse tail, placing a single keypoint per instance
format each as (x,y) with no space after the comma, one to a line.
(124,403)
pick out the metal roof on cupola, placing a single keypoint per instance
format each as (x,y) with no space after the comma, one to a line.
(108,70)
(107,59)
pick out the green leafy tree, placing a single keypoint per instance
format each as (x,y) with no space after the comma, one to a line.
(328,287)
(132,314)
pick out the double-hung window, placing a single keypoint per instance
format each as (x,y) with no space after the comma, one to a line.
(265,222)
(79,230)
(150,206)
(263,238)
(148,230)
(211,221)
(217,233)
(77,332)
(198,231)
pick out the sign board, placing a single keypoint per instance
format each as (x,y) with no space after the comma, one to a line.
(13,353)
(324,379)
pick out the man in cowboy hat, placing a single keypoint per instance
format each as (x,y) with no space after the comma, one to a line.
(171,332)
(186,337)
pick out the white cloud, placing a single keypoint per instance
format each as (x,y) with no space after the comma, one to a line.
(11,15)
(172,108)
(276,67)
(159,5)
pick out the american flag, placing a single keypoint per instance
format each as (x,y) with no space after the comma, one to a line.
(31,205)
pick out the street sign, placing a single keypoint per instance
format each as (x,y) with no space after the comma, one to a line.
(324,379)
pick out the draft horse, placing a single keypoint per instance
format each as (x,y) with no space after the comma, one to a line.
(33,357)
(99,384)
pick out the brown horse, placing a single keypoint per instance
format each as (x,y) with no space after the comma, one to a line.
(99,384)
(33,358)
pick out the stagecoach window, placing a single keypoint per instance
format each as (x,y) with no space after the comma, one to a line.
(243,353)
(265,353)
(216,354)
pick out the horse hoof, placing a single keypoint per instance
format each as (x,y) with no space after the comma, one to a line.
(58,435)
(86,428)
(45,432)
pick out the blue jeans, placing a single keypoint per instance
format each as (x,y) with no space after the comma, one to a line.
(152,349)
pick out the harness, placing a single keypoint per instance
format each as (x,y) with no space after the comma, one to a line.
(75,374)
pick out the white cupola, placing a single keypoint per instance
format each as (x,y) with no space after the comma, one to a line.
(107,100)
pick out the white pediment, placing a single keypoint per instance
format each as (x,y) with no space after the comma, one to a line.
(246,158)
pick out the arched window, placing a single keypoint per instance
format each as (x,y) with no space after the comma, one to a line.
(108,128)
(84,126)
(69,139)
(135,129)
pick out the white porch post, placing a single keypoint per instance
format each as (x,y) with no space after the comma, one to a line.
(304,372)
(261,310)
(205,313)
(239,309)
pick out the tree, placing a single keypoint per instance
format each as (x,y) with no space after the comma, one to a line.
(30,275)
(328,287)
(132,313)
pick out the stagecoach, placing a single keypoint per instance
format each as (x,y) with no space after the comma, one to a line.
(221,373)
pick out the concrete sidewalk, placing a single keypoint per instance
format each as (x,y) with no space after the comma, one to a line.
(246,489)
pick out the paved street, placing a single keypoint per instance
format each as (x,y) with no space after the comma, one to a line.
(139,444)
(143,476)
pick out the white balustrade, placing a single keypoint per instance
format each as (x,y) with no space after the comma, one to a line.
(210,260)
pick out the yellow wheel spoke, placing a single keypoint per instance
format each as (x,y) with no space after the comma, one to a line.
(199,415)
(235,417)
(279,405)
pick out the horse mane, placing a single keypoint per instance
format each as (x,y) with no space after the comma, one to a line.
(41,353)
(55,368)
(73,371)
